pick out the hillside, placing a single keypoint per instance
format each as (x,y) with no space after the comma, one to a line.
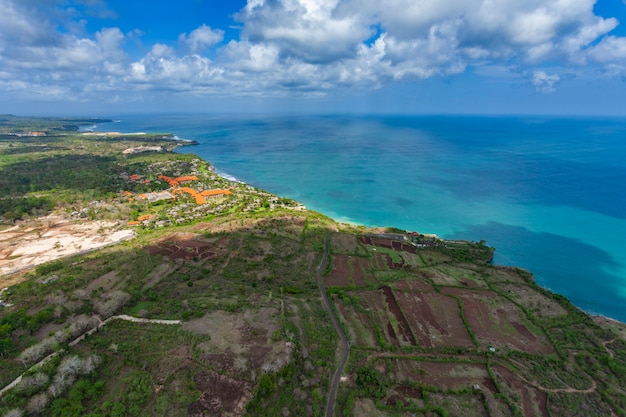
(141,283)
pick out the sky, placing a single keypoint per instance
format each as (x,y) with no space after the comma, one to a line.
(92,57)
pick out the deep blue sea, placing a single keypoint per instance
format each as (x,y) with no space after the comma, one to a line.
(549,193)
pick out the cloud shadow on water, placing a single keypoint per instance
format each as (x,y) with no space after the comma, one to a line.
(567,266)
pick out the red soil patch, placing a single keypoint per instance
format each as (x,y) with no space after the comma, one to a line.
(362,272)
(434,319)
(188,249)
(357,272)
(218,361)
(403,247)
(403,394)
(382,262)
(409,392)
(339,276)
(349,270)
(497,322)
(394,308)
(389,244)
(220,396)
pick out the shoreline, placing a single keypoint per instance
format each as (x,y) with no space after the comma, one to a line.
(347,220)
(593,316)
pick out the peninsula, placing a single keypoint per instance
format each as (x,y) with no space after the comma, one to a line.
(137,281)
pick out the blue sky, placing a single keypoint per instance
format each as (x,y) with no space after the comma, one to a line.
(95,57)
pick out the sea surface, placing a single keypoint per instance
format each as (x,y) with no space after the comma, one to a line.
(549,193)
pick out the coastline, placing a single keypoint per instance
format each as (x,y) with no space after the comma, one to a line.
(550,286)
(621,325)
(428,326)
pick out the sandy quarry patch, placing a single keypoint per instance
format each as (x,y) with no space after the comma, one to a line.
(52,237)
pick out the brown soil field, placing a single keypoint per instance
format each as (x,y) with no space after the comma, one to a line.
(220,395)
(403,247)
(221,362)
(498,322)
(348,271)
(362,270)
(407,395)
(374,302)
(340,275)
(403,327)
(382,261)
(185,247)
(389,244)
(434,319)
(357,270)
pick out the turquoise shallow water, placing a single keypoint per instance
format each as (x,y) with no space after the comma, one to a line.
(548,193)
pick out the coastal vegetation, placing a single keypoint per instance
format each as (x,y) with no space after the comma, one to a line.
(213,307)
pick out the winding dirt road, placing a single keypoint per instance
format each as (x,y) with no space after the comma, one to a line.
(343,341)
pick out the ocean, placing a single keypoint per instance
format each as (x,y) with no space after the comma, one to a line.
(549,193)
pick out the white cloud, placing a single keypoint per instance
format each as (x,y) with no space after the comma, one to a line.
(251,57)
(309,46)
(544,82)
(110,40)
(310,30)
(611,49)
(201,38)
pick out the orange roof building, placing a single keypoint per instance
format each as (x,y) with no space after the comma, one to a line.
(186,178)
(171,181)
(199,197)
(215,193)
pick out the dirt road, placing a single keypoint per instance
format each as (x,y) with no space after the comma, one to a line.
(343,341)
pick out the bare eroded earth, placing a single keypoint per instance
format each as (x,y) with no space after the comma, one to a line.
(34,242)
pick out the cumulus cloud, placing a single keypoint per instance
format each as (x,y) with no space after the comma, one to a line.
(308,30)
(308,46)
(544,82)
(431,37)
(201,38)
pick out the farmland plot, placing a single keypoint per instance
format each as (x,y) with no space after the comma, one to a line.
(499,323)
(434,319)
